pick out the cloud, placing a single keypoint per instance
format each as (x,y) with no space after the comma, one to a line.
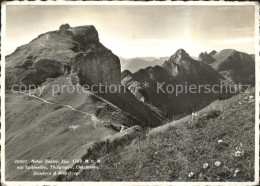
(236,41)
(151,41)
(243,30)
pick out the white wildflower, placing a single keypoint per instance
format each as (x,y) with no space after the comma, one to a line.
(237,171)
(205,166)
(191,174)
(217,163)
(239,153)
(200,176)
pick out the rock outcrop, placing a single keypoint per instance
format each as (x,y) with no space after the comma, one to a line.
(67,50)
(125,73)
(213,52)
(64,26)
(207,58)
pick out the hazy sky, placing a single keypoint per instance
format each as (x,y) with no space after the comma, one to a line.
(131,31)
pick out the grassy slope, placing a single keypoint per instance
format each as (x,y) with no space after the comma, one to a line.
(172,151)
(39,130)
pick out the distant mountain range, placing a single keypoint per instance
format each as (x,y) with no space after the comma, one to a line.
(137,63)
(134,64)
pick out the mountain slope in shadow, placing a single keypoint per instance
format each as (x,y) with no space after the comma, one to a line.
(236,66)
(179,71)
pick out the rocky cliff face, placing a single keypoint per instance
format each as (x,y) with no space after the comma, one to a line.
(182,67)
(100,66)
(84,34)
(68,50)
(178,64)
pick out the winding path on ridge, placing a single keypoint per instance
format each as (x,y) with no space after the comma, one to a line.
(91,116)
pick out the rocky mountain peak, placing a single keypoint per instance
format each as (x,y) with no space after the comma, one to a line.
(206,58)
(180,57)
(213,52)
(64,26)
(179,63)
(181,51)
(85,34)
(69,50)
(184,68)
(181,54)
